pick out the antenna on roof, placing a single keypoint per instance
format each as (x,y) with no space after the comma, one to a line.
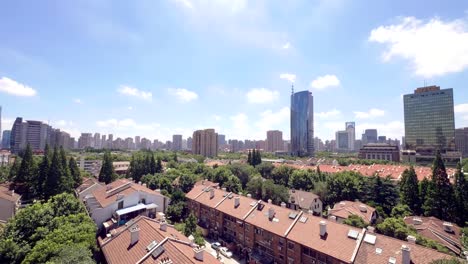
(292,88)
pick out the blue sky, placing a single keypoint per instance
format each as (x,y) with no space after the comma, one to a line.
(157,68)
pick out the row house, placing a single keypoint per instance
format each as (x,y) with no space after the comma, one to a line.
(263,232)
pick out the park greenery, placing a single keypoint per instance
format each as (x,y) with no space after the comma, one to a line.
(56,231)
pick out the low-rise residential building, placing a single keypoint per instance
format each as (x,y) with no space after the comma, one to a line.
(118,202)
(446,233)
(344,209)
(263,232)
(146,240)
(380,151)
(305,201)
(121,167)
(9,203)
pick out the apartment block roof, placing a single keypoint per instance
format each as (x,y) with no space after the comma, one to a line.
(336,243)
(281,221)
(220,195)
(118,250)
(302,198)
(448,234)
(7,194)
(106,195)
(246,205)
(386,248)
(344,209)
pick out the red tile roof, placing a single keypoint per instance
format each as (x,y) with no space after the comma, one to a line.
(344,209)
(7,194)
(279,224)
(240,212)
(433,228)
(117,249)
(302,198)
(387,247)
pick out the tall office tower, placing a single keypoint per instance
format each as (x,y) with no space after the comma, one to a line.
(382,139)
(103,142)
(318,144)
(369,136)
(129,143)
(302,124)
(342,140)
(6,139)
(110,141)
(461,140)
(18,136)
(351,129)
(64,140)
(205,143)
(429,119)
(274,141)
(189,143)
(33,134)
(137,142)
(85,140)
(176,142)
(97,140)
(221,140)
(184,144)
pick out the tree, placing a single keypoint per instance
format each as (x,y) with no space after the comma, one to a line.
(186,182)
(44,168)
(27,172)
(252,160)
(277,193)
(243,172)
(249,158)
(153,164)
(461,196)
(53,180)
(423,187)
(190,225)
(233,184)
(401,211)
(408,187)
(265,169)
(254,187)
(107,173)
(14,169)
(301,180)
(75,172)
(394,227)
(176,212)
(356,221)
(72,254)
(439,200)
(280,175)
(382,193)
(159,167)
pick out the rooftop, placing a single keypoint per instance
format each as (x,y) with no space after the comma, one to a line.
(7,194)
(117,248)
(302,198)
(242,210)
(344,209)
(279,224)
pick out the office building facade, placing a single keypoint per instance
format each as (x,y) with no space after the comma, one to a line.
(461,140)
(369,136)
(205,143)
(342,140)
(221,140)
(274,141)
(429,119)
(6,139)
(302,124)
(176,142)
(351,129)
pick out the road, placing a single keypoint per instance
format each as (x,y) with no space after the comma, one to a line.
(224,259)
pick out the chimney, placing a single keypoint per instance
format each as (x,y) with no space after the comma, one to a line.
(283,204)
(224,189)
(203,182)
(411,239)
(249,195)
(134,234)
(163,225)
(144,185)
(139,182)
(236,201)
(198,253)
(333,218)
(363,208)
(405,254)
(271,213)
(269,201)
(370,229)
(323,228)
(211,193)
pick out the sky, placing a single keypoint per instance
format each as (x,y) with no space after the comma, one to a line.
(157,68)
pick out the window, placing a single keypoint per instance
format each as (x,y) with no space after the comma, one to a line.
(290,260)
(290,245)
(281,241)
(143,201)
(120,205)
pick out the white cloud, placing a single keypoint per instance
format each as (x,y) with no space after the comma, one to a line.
(262,96)
(241,128)
(12,87)
(329,114)
(461,108)
(130,108)
(183,95)
(217,117)
(434,47)
(185,3)
(392,129)
(7,124)
(286,46)
(131,91)
(373,112)
(288,76)
(270,120)
(67,126)
(324,82)
(77,101)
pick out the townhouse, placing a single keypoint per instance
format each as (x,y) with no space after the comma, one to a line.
(262,232)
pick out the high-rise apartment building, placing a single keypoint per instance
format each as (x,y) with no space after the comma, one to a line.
(176,142)
(318,144)
(342,140)
(274,141)
(461,140)
(369,136)
(137,142)
(6,139)
(97,141)
(302,124)
(189,143)
(351,129)
(429,119)
(103,142)
(382,139)
(85,140)
(34,133)
(110,141)
(205,143)
(221,140)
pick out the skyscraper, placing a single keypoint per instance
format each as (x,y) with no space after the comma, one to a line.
(176,142)
(429,119)
(205,143)
(351,129)
(369,136)
(274,141)
(137,142)
(302,124)
(342,140)
(6,139)
(221,140)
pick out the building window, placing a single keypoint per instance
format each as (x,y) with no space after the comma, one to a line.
(290,260)
(120,205)
(290,245)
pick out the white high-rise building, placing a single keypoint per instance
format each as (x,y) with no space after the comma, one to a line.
(351,129)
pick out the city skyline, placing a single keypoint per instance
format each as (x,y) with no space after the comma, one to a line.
(236,81)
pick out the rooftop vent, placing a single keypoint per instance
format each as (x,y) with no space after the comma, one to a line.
(260,206)
(448,227)
(405,254)
(211,193)
(417,221)
(411,239)
(198,253)
(378,251)
(353,234)
(303,219)
(249,195)
(323,228)
(166,260)
(157,251)
(392,260)
(292,215)
(236,201)
(370,239)
(134,234)
(271,213)
(363,208)
(283,204)
(269,201)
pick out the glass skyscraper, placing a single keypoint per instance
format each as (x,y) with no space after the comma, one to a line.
(302,124)
(429,119)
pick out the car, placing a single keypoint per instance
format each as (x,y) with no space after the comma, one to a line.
(215,245)
(225,252)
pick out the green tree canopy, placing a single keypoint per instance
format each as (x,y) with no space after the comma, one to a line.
(408,190)
(107,173)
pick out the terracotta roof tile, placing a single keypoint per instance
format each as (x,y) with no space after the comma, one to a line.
(302,198)
(344,209)
(279,224)
(245,206)
(7,194)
